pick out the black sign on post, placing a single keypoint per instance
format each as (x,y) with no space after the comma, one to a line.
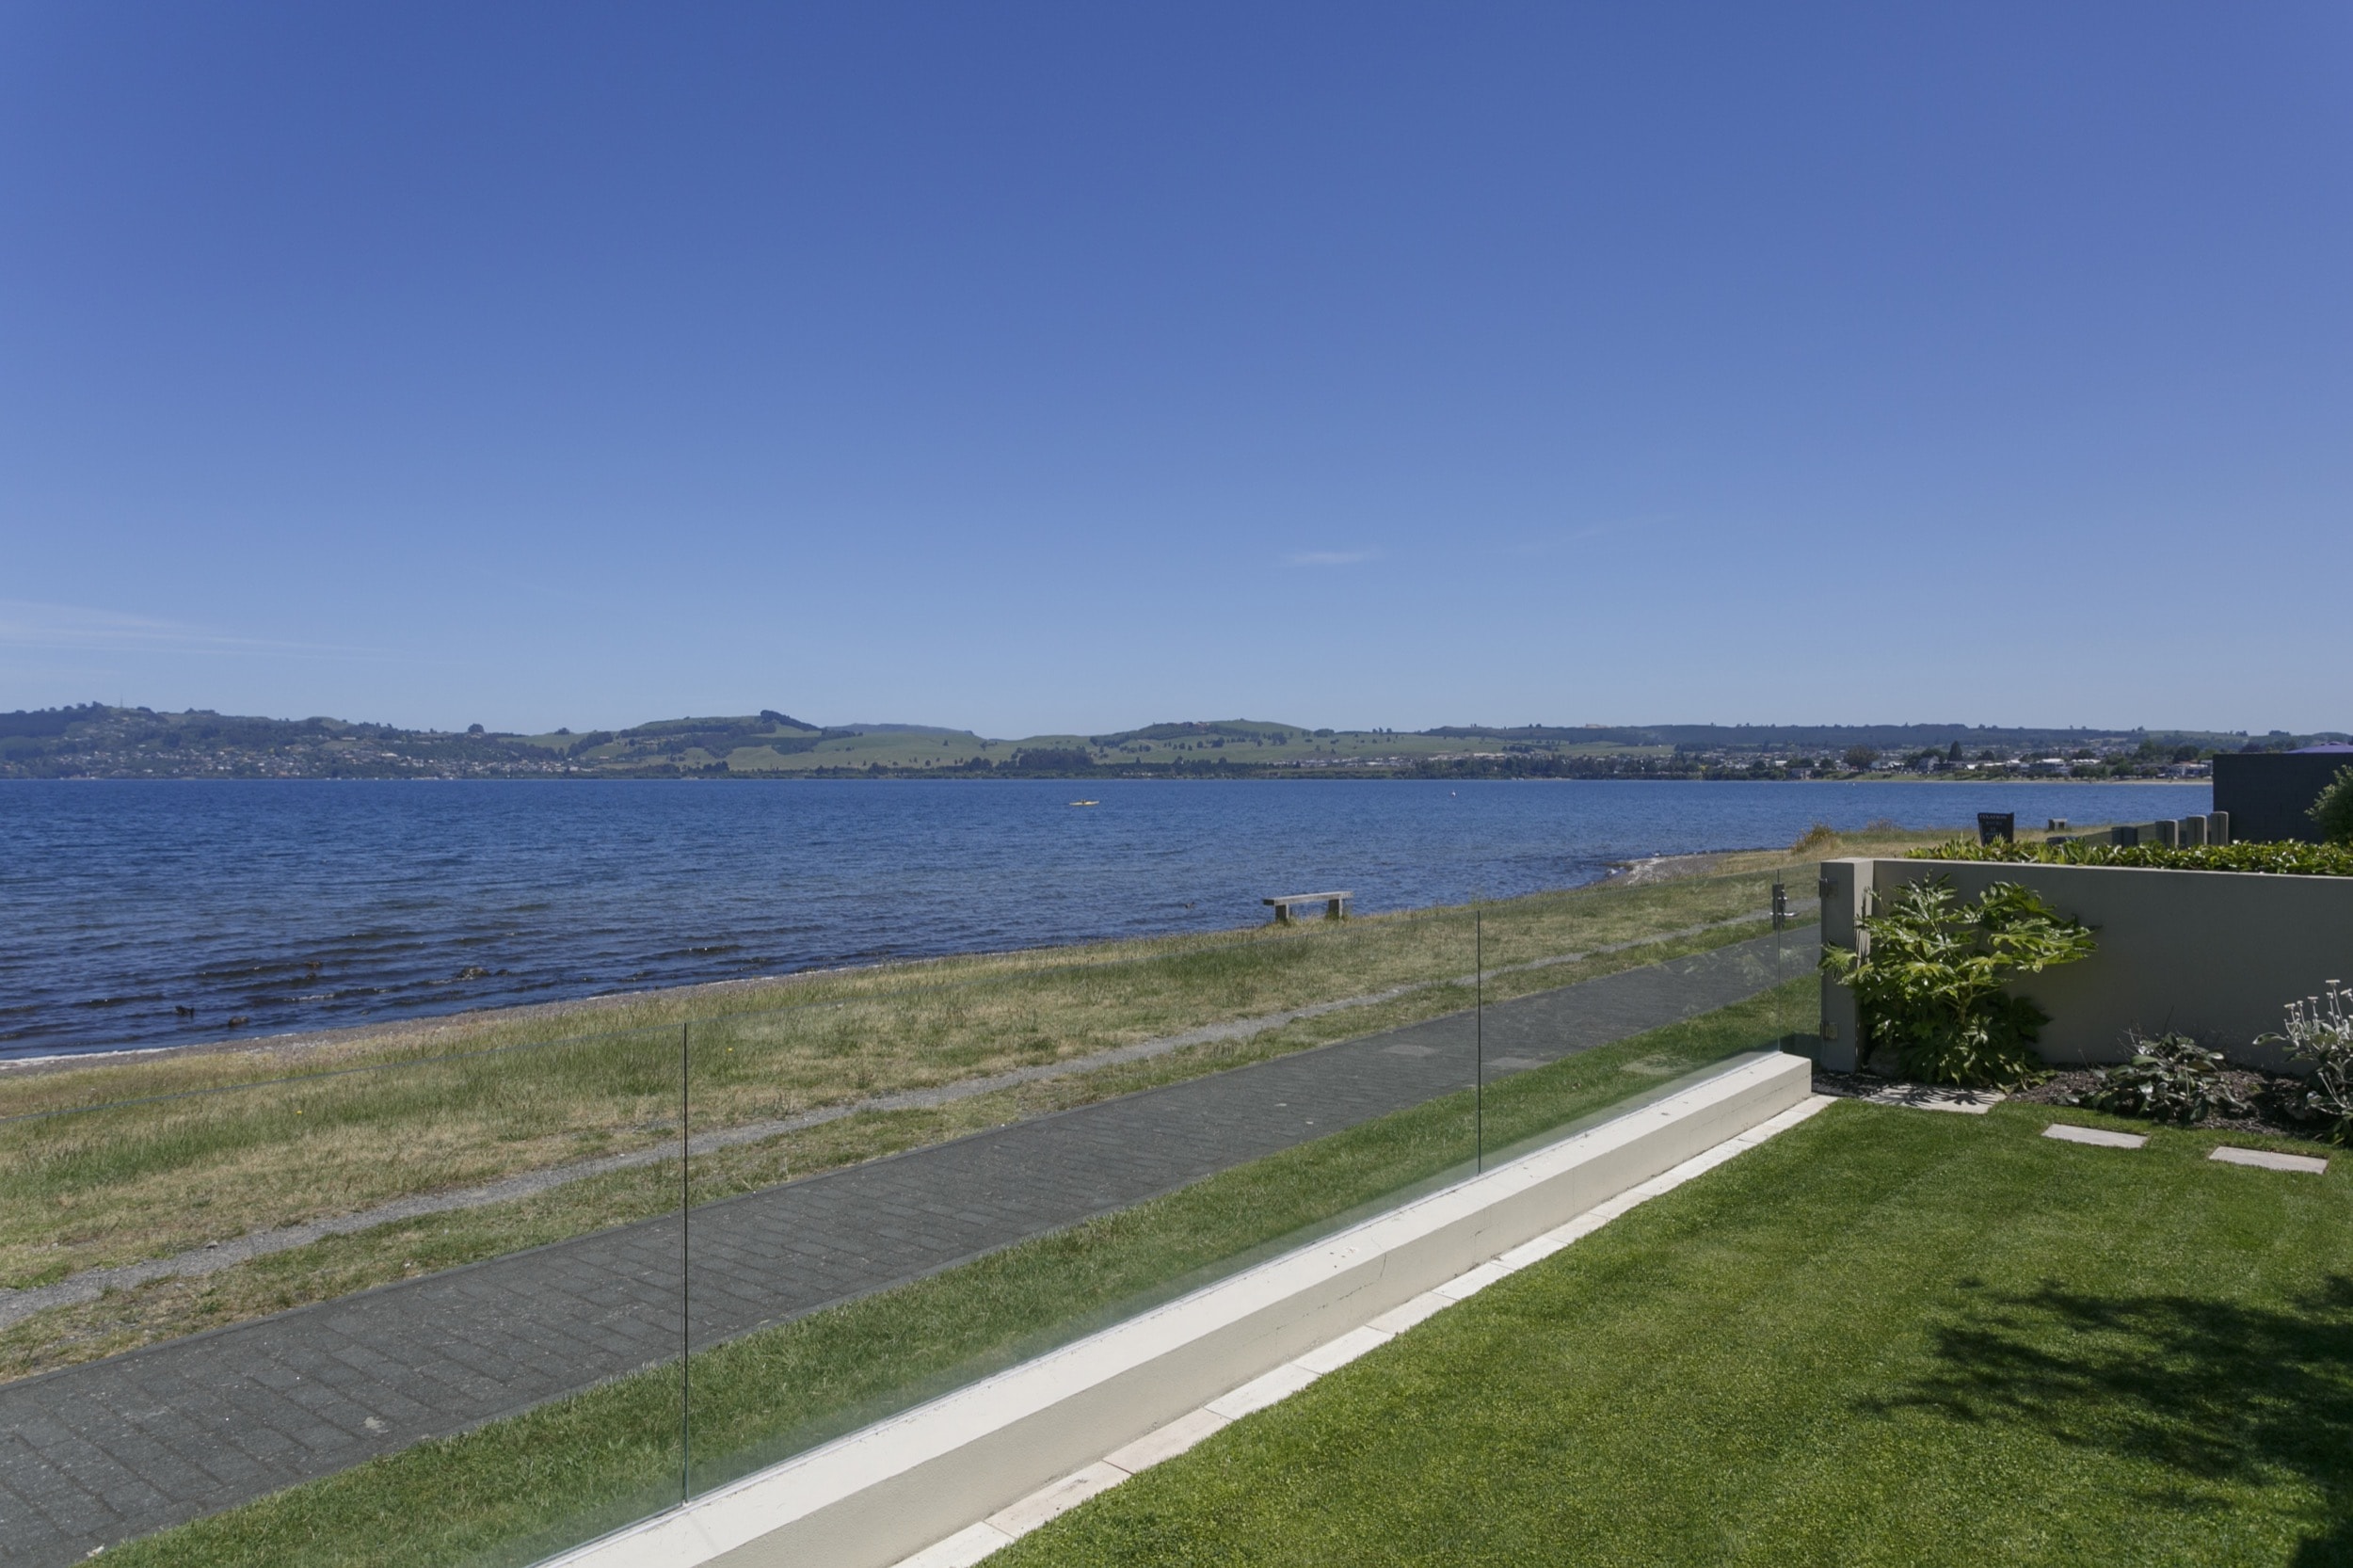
(1997,825)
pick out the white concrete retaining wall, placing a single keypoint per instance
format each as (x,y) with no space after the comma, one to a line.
(873,1497)
(2212,954)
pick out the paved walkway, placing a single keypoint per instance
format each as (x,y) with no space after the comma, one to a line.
(95,1454)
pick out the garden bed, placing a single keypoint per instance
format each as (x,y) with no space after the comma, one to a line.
(2271,1099)
(2269,860)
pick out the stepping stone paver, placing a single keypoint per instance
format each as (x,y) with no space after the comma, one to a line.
(2097,1136)
(2266,1159)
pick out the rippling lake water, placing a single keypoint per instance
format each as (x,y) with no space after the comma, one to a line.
(303,905)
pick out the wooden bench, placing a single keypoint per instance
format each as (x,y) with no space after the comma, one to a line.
(1335,905)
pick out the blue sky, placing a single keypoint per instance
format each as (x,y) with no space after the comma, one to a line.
(1065,367)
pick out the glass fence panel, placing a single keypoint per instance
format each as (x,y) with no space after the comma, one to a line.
(439,1281)
(1075,1137)
(413,1296)
(1651,1020)
(1071,1142)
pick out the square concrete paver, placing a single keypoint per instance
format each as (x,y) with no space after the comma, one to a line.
(2097,1137)
(1348,1347)
(1263,1391)
(1165,1443)
(1396,1319)
(963,1549)
(1048,1502)
(2269,1160)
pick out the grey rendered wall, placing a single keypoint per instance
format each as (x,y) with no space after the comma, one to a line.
(2212,954)
(1842,887)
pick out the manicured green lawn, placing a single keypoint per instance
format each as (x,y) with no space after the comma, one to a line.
(1887,1337)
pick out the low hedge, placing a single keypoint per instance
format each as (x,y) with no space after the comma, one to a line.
(2283,858)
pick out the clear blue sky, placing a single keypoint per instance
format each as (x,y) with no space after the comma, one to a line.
(1062,367)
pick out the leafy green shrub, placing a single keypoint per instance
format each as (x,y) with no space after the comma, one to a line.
(2283,858)
(1931,984)
(2169,1079)
(2333,810)
(2320,1031)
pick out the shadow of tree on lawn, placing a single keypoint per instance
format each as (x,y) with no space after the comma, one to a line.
(2213,1390)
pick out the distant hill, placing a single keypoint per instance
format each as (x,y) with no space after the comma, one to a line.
(95,740)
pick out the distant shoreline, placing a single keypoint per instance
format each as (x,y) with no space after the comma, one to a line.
(1105,776)
(95,740)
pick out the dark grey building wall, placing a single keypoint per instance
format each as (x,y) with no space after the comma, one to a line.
(2268,792)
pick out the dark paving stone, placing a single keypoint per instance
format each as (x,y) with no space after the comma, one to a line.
(236,1413)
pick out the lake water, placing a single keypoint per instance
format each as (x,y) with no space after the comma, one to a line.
(300,904)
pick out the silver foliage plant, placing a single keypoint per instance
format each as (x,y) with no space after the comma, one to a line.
(2320,1031)
(2169,1079)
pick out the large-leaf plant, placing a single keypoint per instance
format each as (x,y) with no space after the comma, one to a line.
(1930,984)
(2333,810)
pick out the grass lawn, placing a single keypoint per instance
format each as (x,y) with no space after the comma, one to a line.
(511,1492)
(1887,1337)
(162,1155)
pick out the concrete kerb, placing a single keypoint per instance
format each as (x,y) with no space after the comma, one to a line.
(918,1481)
